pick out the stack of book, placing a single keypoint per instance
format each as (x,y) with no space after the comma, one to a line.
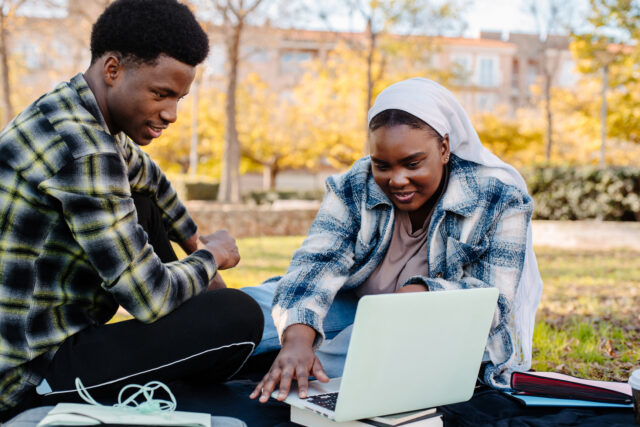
(421,418)
(554,389)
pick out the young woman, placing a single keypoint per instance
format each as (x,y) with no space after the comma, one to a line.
(431,209)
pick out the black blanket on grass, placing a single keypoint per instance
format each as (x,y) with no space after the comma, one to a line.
(487,408)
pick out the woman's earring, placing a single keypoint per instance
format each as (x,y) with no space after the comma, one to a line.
(446,159)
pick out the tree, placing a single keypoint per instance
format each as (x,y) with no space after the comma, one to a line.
(235,15)
(8,9)
(271,132)
(611,44)
(331,93)
(578,125)
(513,140)
(400,17)
(549,20)
(330,96)
(172,151)
(81,14)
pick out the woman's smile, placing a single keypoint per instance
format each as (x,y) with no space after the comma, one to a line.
(403,196)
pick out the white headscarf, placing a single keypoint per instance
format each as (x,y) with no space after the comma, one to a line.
(437,106)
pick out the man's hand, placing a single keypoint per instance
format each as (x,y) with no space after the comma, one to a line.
(296,360)
(190,245)
(412,288)
(223,247)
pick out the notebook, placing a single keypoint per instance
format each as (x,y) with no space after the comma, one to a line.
(408,351)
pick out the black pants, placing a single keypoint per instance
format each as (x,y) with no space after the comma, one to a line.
(207,339)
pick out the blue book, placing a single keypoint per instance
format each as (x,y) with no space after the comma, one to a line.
(529,400)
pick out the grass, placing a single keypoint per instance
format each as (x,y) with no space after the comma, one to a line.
(588,322)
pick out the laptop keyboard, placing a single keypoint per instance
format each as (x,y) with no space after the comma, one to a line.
(327,400)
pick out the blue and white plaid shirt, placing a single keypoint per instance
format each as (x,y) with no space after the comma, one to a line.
(477,238)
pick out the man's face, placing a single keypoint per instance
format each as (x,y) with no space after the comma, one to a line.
(142,99)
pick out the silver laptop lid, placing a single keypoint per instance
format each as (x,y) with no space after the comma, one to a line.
(413,351)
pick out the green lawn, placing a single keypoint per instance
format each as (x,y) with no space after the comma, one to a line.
(588,323)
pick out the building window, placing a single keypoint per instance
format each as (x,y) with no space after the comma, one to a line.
(568,77)
(532,76)
(486,102)
(487,72)
(461,68)
(292,60)
(258,56)
(515,74)
(216,61)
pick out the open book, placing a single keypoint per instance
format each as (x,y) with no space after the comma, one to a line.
(80,414)
(561,386)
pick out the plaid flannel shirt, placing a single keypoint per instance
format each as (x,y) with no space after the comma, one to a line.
(71,248)
(477,238)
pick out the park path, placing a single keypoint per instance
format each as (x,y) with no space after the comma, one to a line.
(588,235)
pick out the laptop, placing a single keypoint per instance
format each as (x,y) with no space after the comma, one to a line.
(407,352)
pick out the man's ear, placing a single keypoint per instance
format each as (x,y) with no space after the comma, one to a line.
(111,69)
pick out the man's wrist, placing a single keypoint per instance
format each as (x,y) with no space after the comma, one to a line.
(191,244)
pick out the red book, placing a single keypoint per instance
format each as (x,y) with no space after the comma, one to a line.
(560,386)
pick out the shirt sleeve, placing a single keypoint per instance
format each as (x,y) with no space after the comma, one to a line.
(318,269)
(494,261)
(94,197)
(145,177)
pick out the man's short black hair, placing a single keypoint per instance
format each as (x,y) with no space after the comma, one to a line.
(142,30)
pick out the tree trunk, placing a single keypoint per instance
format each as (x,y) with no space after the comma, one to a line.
(6,86)
(230,180)
(371,36)
(603,114)
(549,115)
(269,175)
(193,149)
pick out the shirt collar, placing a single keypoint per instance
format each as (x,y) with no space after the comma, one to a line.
(89,101)
(461,196)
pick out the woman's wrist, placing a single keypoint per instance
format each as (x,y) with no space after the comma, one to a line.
(299,334)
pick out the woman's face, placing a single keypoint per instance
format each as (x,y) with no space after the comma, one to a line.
(408,164)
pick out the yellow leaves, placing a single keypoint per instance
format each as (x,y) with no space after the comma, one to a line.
(171,150)
(510,139)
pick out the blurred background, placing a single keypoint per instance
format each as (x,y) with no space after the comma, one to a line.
(281,101)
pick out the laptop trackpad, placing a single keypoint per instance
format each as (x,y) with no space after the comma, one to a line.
(315,387)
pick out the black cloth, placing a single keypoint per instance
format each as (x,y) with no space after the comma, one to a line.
(489,407)
(486,408)
(205,340)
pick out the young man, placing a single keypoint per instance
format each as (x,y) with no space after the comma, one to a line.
(85,218)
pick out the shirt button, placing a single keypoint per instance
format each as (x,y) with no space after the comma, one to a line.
(439,275)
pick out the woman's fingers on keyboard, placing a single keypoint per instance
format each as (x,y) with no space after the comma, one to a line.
(318,371)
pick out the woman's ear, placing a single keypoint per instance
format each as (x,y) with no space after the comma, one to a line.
(444,149)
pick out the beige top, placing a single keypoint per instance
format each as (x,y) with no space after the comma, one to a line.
(406,257)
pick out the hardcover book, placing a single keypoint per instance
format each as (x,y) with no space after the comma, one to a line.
(561,386)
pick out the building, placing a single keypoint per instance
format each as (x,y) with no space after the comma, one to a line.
(489,71)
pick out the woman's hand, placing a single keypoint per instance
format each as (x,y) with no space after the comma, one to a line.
(296,360)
